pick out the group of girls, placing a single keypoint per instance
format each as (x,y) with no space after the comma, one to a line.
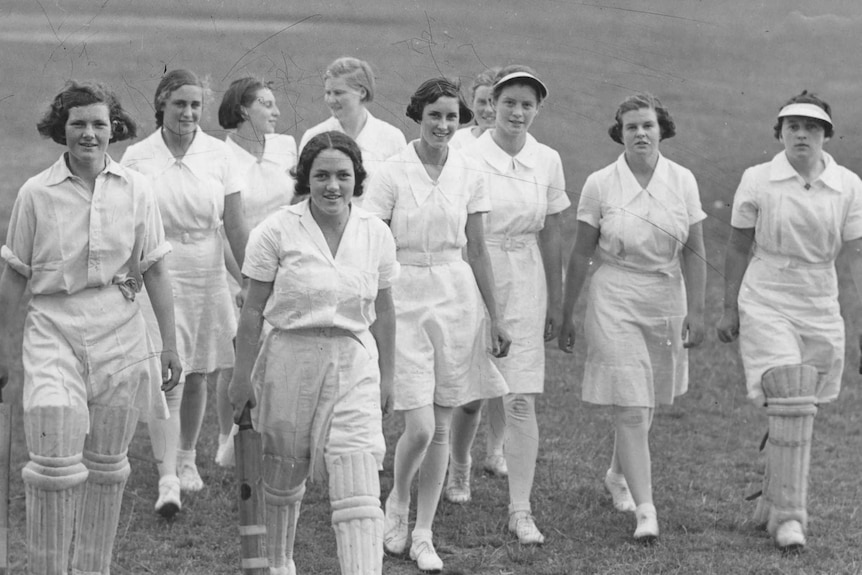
(439,293)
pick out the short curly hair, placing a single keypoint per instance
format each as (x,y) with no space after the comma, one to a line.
(667,127)
(432,90)
(327,141)
(807,97)
(173,80)
(357,73)
(240,94)
(75,94)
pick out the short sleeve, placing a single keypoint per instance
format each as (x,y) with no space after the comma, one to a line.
(557,198)
(691,196)
(379,196)
(388,268)
(590,203)
(852,228)
(154,247)
(262,253)
(233,178)
(18,251)
(745,206)
(479,202)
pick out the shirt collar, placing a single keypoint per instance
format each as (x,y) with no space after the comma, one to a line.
(629,182)
(500,160)
(60,172)
(781,169)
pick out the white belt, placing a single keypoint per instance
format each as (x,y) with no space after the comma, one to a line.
(512,243)
(428,259)
(193,236)
(783,262)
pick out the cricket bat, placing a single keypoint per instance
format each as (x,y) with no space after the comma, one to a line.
(252,525)
(5,461)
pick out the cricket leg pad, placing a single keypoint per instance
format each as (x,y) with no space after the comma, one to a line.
(354,492)
(791,407)
(105,455)
(282,515)
(52,484)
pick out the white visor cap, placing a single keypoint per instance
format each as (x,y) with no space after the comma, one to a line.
(806,111)
(523,76)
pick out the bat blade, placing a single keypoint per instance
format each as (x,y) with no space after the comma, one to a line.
(5,461)
(252,527)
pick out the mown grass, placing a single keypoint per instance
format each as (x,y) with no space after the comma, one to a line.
(722,68)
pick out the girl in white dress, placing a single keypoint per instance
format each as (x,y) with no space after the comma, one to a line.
(642,215)
(528,192)
(320,272)
(433,198)
(349,88)
(197,184)
(249,110)
(791,217)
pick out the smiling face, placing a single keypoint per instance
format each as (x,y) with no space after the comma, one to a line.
(641,134)
(803,138)
(263,112)
(182,110)
(88,131)
(439,122)
(516,107)
(483,109)
(343,100)
(331,183)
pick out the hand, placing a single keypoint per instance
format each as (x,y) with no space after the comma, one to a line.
(387,402)
(242,295)
(692,331)
(552,326)
(241,395)
(728,326)
(566,340)
(171,369)
(500,340)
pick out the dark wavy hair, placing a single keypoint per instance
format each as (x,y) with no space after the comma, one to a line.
(75,94)
(241,93)
(667,128)
(806,97)
(327,141)
(173,80)
(432,90)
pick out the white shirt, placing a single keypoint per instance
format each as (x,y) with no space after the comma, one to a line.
(311,287)
(66,239)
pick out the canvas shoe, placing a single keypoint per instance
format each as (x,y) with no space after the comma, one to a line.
(395,528)
(288,569)
(422,551)
(616,484)
(647,529)
(789,536)
(168,504)
(187,470)
(495,464)
(458,484)
(522,524)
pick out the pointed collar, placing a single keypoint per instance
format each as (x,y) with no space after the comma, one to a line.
(243,155)
(780,169)
(59,172)
(307,221)
(500,160)
(629,182)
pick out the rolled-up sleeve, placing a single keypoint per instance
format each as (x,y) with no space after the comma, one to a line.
(18,251)
(388,268)
(745,206)
(262,253)
(155,247)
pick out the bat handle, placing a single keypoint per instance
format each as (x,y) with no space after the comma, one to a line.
(245,419)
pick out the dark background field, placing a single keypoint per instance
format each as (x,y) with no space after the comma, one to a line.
(723,68)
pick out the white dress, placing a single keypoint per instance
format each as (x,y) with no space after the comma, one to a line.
(788,301)
(191,193)
(637,297)
(442,342)
(523,190)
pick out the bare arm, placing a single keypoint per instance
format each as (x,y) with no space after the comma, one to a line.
(12,288)
(550,244)
(694,272)
(240,391)
(586,240)
(158,284)
(383,330)
(735,264)
(234,227)
(480,262)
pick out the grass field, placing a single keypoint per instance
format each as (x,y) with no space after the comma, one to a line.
(723,69)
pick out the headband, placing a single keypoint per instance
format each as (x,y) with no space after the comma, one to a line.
(805,110)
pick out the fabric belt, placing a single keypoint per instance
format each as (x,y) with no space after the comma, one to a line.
(512,243)
(781,261)
(328,332)
(668,269)
(192,236)
(428,259)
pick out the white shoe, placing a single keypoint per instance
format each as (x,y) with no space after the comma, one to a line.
(225,456)
(395,524)
(288,569)
(522,524)
(458,484)
(790,536)
(422,551)
(495,464)
(187,470)
(647,529)
(168,504)
(616,484)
